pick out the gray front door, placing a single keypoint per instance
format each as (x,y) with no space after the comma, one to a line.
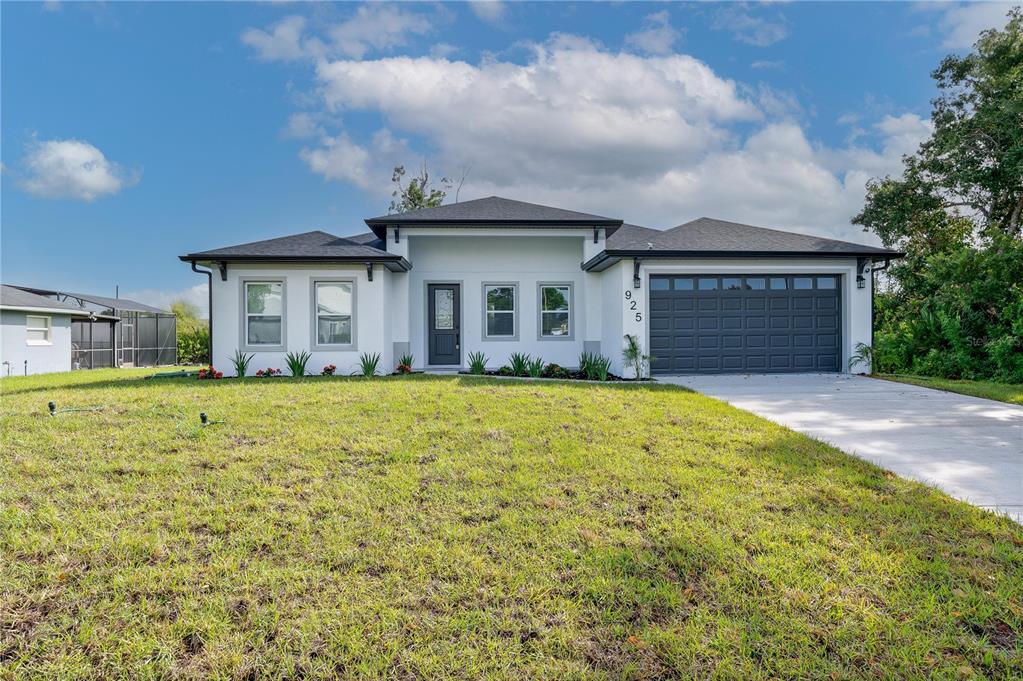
(444,324)
(756,323)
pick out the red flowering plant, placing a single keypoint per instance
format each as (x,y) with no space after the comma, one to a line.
(210,374)
(328,370)
(267,373)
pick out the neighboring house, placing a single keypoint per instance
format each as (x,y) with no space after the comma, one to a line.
(119,332)
(35,333)
(500,276)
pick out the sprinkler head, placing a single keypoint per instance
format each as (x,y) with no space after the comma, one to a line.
(52,407)
(203,419)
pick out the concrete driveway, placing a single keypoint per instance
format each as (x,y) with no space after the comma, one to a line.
(969,447)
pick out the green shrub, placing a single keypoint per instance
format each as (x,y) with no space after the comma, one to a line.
(296,362)
(555,371)
(477,363)
(241,363)
(519,364)
(368,364)
(534,367)
(405,364)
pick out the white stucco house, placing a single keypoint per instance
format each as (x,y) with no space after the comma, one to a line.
(499,276)
(35,333)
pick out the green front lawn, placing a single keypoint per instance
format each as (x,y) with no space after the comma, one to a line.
(1003,392)
(430,527)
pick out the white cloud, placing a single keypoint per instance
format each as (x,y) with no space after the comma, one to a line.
(444,50)
(371,27)
(196,295)
(491,11)
(657,36)
(302,125)
(656,139)
(767,64)
(963,22)
(283,42)
(338,158)
(570,109)
(71,169)
(378,27)
(749,28)
(368,167)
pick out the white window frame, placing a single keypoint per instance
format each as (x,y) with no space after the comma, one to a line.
(315,317)
(514,312)
(540,286)
(244,316)
(47,327)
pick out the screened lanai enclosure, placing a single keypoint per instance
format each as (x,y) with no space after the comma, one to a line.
(118,333)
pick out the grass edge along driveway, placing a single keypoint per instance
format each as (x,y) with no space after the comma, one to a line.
(1010,393)
(454,527)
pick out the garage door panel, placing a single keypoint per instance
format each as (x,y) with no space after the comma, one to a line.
(729,324)
(756,322)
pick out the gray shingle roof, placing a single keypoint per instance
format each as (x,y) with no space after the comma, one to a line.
(707,235)
(111,303)
(13,297)
(492,210)
(308,246)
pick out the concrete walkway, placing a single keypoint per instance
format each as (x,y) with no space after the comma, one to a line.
(969,447)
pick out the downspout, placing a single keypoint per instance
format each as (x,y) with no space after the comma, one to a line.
(209,312)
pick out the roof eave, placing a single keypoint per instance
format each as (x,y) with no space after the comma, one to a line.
(606,258)
(394,263)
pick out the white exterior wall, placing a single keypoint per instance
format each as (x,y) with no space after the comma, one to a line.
(474,257)
(372,327)
(615,280)
(391,311)
(42,359)
(855,302)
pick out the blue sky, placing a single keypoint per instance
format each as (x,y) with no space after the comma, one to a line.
(132,133)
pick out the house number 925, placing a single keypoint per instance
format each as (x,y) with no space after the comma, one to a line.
(632,305)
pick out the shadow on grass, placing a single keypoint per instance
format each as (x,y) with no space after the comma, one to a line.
(137,382)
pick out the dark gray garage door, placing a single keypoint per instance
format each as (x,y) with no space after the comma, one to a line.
(735,323)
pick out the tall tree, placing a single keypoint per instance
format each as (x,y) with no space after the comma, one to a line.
(967,179)
(956,304)
(417,193)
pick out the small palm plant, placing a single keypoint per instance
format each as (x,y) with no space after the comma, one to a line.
(368,364)
(863,356)
(241,363)
(296,362)
(519,364)
(477,363)
(634,357)
(534,367)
